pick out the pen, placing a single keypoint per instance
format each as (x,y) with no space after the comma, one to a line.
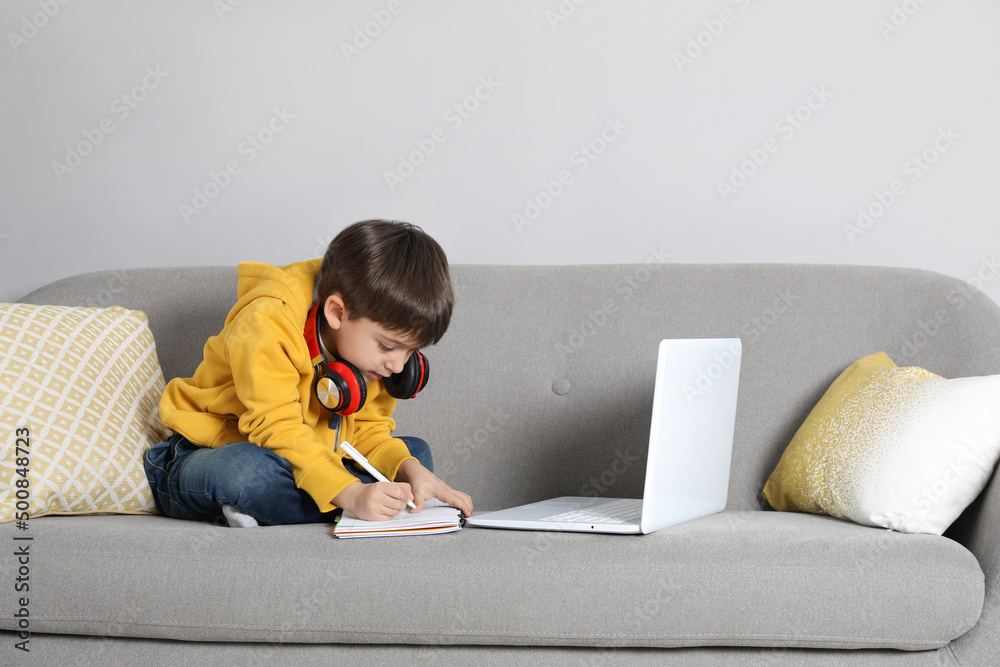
(363,462)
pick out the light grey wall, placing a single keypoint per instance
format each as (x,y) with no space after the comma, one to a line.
(551,131)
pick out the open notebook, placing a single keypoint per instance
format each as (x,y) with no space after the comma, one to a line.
(435,517)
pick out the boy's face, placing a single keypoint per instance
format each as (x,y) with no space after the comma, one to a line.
(378,352)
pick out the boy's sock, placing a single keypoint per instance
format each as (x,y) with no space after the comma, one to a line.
(238,519)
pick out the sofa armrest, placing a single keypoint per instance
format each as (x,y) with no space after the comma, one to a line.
(979,530)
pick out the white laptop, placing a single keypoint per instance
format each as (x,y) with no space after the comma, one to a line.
(690,449)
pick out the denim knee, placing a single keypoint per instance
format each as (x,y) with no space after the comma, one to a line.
(419,450)
(246,466)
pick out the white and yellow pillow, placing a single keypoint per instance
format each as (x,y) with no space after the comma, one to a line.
(84,385)
(900,448)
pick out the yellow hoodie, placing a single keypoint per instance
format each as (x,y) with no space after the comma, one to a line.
(256,384)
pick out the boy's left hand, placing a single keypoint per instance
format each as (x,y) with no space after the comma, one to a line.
(424,484)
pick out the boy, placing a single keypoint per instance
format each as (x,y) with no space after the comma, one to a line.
(254,440)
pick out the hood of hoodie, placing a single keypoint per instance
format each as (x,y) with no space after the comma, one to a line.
(293,284)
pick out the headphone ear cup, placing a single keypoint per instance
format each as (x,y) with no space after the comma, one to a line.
(408,382)
(349,384)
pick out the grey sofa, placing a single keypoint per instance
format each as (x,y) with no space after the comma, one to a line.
(543,387)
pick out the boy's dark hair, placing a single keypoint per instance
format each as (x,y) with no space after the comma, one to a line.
(393,273)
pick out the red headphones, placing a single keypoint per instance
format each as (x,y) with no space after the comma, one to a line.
(340,386)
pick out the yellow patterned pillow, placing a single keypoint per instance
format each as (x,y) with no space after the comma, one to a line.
(79,405)
(900,448)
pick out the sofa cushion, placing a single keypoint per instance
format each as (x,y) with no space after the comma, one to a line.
(900,448)
(735,578)
(79,393)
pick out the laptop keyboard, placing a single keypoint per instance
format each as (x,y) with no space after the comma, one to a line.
(618,511)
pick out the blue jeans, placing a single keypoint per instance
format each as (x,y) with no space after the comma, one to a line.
(192,482)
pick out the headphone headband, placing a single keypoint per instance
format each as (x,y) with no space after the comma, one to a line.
(311,334)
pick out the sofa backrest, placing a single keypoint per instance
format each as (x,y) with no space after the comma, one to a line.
(543,384)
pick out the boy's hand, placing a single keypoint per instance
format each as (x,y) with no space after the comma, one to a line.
(426,484)
(379,501)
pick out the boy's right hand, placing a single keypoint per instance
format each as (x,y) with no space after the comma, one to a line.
(378,501)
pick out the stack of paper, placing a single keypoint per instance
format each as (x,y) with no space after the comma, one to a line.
(435,517)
